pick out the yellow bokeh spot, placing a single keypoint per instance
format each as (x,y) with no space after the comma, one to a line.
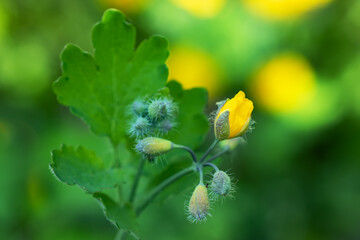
(127,6)
(201,8)
(285,84)
(283,9)
(193,68)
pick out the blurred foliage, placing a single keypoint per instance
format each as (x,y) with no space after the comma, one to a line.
(298,175)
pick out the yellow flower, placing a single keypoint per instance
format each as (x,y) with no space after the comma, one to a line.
(201,8)
(233,118)
(284,9)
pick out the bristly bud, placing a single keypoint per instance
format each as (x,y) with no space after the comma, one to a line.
(139,108)
(221,184)
(152,146)
(161,109)
(140,128)
(199,205)
(165,126)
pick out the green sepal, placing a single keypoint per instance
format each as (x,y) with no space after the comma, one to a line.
(222,126)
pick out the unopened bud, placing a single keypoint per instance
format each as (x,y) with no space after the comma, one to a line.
(139,108)
(140,127)
(231,144)
(165,126)
(221,183)
(160,109)
(152,146)
(199,204)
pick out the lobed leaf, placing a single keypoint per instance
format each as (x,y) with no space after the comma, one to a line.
(193,123)
(122,216)
(100,88)
(82,167)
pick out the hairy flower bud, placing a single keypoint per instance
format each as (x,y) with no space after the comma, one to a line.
(140,127)
(161,109)
(199,204)
(139,108)
(221,183)
(165,126)
(152,146)
(233,117)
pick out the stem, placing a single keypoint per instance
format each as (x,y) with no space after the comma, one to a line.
(188,150)
(201,174)
(162,186)
(121,234)
(209,150)
(137,179)
(117,164)
(212,158)
(211,165)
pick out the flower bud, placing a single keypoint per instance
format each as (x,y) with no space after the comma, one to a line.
(161,109)
(233,117)
(231,144)
(152,146)
(165,126)
(199,204)
(221,183)
(139,108)
(140,128)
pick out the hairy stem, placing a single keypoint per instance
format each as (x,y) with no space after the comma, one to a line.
(212,158)
(137,179)
(188,150)
(162,186)
(211,165)
(201,174)
(209,150)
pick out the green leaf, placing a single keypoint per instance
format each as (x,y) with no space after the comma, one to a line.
(99,89)
(122,216)
(82,167)
(193,123)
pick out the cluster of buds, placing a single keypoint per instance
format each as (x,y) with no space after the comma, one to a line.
(220,187)
(232,121)
(153,117)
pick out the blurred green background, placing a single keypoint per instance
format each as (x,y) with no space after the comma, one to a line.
(298,175)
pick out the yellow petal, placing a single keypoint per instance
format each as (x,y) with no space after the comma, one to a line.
(240,109)
(240,117)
